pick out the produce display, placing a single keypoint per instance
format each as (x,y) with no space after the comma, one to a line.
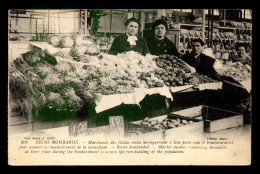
(201,79)
(190,33)
(36,81)
(167,123)
(175,72)
(121,74)
(72,47)
(237,71)
(240,25)
(215,35)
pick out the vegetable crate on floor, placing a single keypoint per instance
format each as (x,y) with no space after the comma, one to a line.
(185,123)
(214,119)
(218,119)
(136,130)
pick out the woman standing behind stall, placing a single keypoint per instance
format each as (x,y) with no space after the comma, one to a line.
(159,44)
(129,41)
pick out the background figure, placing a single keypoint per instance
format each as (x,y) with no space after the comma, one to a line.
(129,41)
(242,56)
(201,62)
(158,44)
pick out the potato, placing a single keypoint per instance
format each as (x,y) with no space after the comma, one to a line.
(156,126)
(162,77)
(167,84)
(173,84)
(180,124)
(138,132)
(143,82)
(146,119)
(148,74)
(156,71)
(171,126)
(175,122)
(153,122)
(184,121)
(190,121)
(164,124)
(180,83)
(148,124)
(158,84)
(142,74)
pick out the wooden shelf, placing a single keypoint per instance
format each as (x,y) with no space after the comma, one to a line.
(191,25)
(196,37)
(200,25)
(228,28)
(243,41)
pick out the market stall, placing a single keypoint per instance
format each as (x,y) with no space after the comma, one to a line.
(69,79)
(82,85)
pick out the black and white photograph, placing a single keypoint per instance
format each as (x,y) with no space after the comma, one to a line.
(129,87)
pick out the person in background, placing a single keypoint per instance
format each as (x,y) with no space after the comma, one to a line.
(158,44)
(129,41)
(201,62)
(242,56)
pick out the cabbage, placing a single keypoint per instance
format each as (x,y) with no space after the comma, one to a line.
(87,41)
(78,40)
(81,50)
(55,40)
(67,42)
(77,51)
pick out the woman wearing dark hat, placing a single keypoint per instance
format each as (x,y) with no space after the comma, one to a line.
(159,44)
(129,41)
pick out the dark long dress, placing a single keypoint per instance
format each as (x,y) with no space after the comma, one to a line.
(120,45)
(159,47)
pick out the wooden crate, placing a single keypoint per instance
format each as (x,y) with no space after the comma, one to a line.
(218,119)
(193,112)
(159,134)
(146,133)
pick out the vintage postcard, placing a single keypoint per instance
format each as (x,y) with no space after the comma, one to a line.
(97,87)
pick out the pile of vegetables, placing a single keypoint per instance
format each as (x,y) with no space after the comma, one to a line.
(121,74)
(111,74)
(36,81)
(200,79)
(26,90)
(167,123)
(237,71)
(175,72)
(73,47)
